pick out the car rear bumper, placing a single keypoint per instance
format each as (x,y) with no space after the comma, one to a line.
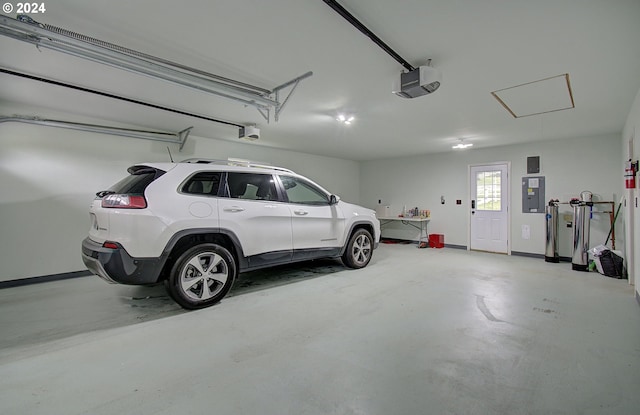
(116,266)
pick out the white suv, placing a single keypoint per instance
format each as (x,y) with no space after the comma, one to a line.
(196,224)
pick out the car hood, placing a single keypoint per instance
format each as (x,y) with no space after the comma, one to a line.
(356,210)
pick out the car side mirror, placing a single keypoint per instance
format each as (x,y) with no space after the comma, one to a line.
(333,199)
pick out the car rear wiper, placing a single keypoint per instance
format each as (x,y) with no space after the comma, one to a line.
(103,193)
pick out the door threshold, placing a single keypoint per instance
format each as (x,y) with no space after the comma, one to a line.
(489,252)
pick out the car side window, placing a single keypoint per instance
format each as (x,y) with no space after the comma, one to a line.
(251,186)
(204,183)
(303,192)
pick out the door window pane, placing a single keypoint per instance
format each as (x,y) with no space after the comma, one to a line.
(300,191)
(251,186)
(488,188)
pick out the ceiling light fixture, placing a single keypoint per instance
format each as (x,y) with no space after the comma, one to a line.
(345,119)
(462,145)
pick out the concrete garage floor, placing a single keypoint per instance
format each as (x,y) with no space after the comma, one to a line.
(418,331)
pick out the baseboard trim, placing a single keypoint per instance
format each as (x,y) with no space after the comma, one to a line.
(45,278)
(539,256)
(455,246)
(527,254)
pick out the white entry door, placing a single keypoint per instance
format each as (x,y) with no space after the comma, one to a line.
(489,186)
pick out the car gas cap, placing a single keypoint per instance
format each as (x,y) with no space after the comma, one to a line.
(200,209)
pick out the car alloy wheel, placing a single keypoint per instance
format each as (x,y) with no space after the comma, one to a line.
(202,276)
(359,249)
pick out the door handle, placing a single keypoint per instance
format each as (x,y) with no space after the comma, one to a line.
(233,209)
(473,204)
(301,212)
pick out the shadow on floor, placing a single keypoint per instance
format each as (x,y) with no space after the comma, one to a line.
(39,313)
(155,297)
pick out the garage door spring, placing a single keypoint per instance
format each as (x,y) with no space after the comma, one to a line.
(131,52)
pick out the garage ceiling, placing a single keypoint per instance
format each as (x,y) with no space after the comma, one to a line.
(479,46)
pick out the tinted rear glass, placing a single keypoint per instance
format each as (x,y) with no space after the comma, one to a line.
(203,183)
(136,182)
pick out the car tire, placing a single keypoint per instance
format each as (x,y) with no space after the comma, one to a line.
(359,249)
(201,276)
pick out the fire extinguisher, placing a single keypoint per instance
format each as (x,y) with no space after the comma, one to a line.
(630,169)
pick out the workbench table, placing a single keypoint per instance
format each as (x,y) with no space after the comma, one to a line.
(419,223)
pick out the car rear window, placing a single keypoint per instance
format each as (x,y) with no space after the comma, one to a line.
(137,181)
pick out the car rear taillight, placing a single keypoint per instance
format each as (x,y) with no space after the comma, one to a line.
(124,201)
(110,245)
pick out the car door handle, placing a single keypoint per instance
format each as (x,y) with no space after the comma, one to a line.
(233,209)
(301,212)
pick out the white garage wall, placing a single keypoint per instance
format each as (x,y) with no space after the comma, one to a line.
(632,132)
(569,166)
(49,176)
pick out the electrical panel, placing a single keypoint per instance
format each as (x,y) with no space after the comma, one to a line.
(533,194)
(533,164)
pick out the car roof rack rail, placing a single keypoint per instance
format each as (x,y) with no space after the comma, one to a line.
(235,162)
